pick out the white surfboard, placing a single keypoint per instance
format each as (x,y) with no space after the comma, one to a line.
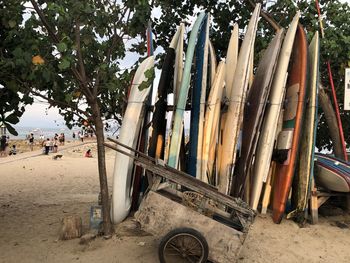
(129,131)
(178,69)
(231,63)
(214,101)
(234,119)
(268,131)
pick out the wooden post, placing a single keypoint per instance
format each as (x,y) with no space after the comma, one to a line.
(314,203)
(347,197)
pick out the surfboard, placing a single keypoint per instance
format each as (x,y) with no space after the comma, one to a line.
(267,136)
(212,63)
(129,131)
(332,173)
(206,85)
(198,99)
(178,68)
(233,125)
(214,101)
(231,63)
(254,109)
(156,145)
(215,132)
(288,140)
(183,94)
(305,168)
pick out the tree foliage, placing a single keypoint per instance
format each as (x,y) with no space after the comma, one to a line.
(71,53)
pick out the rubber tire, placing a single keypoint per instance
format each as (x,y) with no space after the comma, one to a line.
(185,230)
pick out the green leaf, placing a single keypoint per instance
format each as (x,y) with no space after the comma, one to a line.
(149,74)
(12,23)
(62,47)
(12,118)
(11,129)
(64,64)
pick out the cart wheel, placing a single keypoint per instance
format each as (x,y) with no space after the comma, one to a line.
(183,245)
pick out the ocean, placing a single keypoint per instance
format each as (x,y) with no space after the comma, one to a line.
(47,132)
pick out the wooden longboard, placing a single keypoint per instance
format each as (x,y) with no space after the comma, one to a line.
(129,131)
(254,110)
(237,98)
(288,140)
(268,130)
(305,168)
(183,94)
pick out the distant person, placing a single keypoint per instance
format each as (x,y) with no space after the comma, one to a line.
(55,146)
(81,135)
(13,150)
(47,146)
(3,146)
(73,135)
(88,154)
(51,145)
(63,139)
(31,141)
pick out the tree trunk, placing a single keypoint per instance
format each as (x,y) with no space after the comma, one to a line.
(331,120)
(107,223)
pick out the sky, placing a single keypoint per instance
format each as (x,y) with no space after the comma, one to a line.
(37,115)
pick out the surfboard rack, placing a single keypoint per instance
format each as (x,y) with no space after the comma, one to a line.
(163,209)
(243,212)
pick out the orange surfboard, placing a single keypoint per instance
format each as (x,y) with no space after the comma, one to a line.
(289,138)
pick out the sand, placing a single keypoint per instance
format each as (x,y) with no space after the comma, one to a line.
(36,192)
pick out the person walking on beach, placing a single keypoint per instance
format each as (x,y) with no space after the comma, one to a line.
(31,141)
(3,146)
(13,150)
(55,146)
(63,138)
(47,146)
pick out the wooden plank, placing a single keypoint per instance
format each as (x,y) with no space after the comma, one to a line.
(321,200)
(186,180)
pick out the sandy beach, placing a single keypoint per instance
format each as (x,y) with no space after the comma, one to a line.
(36,192)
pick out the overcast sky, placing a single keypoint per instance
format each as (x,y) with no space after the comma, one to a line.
(37,115)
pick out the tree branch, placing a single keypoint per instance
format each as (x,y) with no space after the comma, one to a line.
(79,55)
(41,15)
(114,39)
(55,39)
